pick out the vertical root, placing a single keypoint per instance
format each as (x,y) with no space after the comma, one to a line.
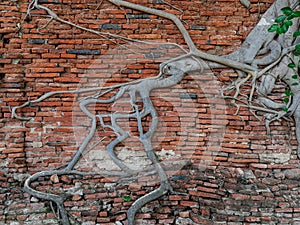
(47,196)
(138,204)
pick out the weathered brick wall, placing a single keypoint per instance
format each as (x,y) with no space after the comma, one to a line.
(233,173)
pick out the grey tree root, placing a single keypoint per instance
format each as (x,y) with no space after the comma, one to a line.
(274,54)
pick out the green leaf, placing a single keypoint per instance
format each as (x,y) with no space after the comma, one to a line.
(297,50)
(291,65)
(287,11)
(296,34)
(279,30)
(288,92)
(295,84)
(273,28)
(127,198)
(296,14)
(284,28)
(285,109)
(288,23)
(280,19)
(295,76)
(286,100)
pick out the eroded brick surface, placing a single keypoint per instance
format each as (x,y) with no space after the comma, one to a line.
(231,171)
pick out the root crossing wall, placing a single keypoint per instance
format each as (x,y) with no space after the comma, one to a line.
(231,171)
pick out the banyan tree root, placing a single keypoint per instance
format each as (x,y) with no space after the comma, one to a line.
(261,54)
(171,74)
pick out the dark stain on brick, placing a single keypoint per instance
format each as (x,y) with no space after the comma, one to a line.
(83,51)
(138,16)
(187,96)
(198,27)
(110,26)
(37,41)
(49,2)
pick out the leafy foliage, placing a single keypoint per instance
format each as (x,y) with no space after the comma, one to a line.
(283,22)
(127,198)
(281,26)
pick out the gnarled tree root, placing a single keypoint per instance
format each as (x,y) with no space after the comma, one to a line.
(244,61)
(163,189)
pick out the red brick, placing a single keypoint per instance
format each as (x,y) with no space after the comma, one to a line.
(97,196)
(253,219)
(284,210)
(189,203)
(50,56)
(16,155)
(47,67)
(240,196)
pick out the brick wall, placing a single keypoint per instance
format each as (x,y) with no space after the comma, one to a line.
(230,169)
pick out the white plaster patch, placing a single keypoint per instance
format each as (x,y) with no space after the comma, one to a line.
(275,157)
(37,144)
(133,159)
(166,154)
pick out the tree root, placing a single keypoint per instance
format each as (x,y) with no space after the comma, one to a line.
(163,189)
(243,61)
(58,200)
